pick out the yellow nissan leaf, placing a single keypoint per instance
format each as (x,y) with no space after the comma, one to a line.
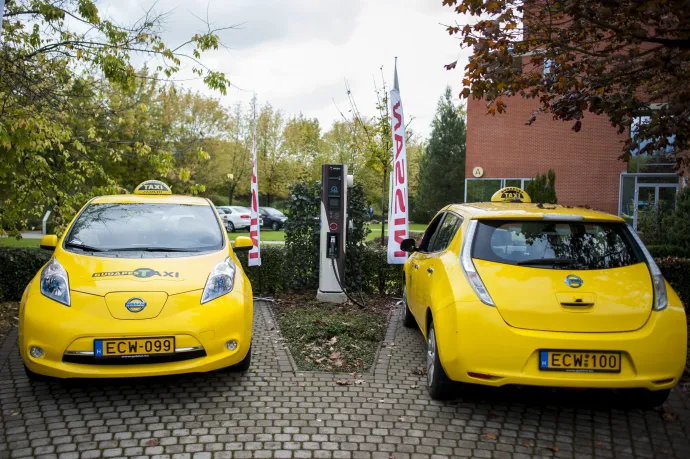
(515,292)
(139,285)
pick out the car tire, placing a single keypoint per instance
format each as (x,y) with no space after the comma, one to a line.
(408,319)
(438,383)
(244,364)
(230,227)
(644,399)
(275,226)
(35,377)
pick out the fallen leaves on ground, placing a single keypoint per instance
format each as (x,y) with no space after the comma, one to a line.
(8,318)
(349,382)
(419,371)
(490,436)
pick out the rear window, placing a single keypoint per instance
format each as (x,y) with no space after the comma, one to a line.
(556,245)
(146,228)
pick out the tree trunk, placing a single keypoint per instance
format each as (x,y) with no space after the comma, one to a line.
(231,193)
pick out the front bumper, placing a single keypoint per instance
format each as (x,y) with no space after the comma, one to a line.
(66,334)
(474,338)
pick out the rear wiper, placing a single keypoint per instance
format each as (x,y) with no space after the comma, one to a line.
(151,249)
(85,248)
(547,261)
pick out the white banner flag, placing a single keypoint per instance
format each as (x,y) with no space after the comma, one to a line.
(254,228)
(397,207)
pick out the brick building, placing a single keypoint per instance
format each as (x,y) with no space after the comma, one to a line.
(588,171)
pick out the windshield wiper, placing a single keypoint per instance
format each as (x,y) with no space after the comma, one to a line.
(85,248)
(547,261)
(151,249)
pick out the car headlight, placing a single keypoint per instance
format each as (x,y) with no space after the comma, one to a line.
(220,281)
(55,283)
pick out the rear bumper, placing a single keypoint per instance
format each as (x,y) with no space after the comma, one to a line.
(201,333)
(473,338)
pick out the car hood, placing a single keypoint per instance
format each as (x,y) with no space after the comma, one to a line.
(102,275)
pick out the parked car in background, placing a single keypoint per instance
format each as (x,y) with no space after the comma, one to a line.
(236,217)
(273,218)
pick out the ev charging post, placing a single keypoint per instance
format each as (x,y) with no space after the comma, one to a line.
(334,185)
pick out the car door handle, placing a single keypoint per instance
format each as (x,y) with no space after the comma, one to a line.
(430,270)
(416,266)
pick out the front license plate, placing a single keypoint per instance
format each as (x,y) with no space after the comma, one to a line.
(580,361)
(133,347)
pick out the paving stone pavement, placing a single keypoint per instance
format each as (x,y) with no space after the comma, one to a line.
(273,411)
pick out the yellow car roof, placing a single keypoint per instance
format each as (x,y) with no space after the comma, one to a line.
(150,199)
(528,211)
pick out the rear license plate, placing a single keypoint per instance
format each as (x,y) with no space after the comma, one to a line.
(580,361)
(133,347)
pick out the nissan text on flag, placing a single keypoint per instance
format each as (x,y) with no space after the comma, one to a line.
(515,292)
(397,207)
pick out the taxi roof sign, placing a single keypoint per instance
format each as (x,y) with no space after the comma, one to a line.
(152,187)
(511,194)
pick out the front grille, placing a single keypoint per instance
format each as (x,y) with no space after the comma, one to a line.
(91,360)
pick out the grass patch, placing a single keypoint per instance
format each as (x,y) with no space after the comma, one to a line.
(266,235)
(24,242)
(328,337)
(376,229)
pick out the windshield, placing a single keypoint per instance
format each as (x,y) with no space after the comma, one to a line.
(242,210)
(556,245)
(145,227)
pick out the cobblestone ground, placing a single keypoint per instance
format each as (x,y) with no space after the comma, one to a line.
(274,411)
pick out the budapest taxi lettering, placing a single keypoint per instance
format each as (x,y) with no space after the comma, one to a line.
(141,273)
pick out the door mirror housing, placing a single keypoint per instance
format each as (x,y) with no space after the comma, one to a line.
(242,244)
(408,245)
(49,242)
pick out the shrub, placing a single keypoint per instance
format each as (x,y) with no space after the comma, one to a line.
(302,236)
(677,273)
(17,267)
(676,224)
(268,278)
(543,188)
(665,250)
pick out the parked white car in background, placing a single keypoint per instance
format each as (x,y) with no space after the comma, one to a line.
(236,217)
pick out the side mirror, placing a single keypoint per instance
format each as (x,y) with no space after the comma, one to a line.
(242,244)
(49,242)
(408,245)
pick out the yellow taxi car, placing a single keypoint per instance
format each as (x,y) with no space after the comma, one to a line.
(515,292)
(139,285)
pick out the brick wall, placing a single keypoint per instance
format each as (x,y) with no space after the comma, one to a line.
(586,162)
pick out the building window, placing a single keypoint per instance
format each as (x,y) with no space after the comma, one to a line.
(548,66)
(481,190)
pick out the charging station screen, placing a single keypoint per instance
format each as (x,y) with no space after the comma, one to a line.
(333,203)
(333,187)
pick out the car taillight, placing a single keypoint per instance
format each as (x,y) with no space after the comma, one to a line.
(658,282)
(245,216)
(468,266)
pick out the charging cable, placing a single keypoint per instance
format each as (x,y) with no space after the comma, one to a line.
(342,287)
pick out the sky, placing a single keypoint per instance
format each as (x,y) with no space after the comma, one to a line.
(298,54)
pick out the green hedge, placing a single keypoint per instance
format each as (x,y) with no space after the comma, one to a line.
(665,250)
(18,265)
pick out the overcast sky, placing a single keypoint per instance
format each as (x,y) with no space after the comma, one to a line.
(297,54)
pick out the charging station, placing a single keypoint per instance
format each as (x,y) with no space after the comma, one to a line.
(334,185)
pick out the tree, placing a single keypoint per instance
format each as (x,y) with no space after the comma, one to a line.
(543,188)
(624,59)
(60,64)
(302,143)
(275,169)
(442,166)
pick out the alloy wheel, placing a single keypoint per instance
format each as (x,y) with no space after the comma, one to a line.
(430,357)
